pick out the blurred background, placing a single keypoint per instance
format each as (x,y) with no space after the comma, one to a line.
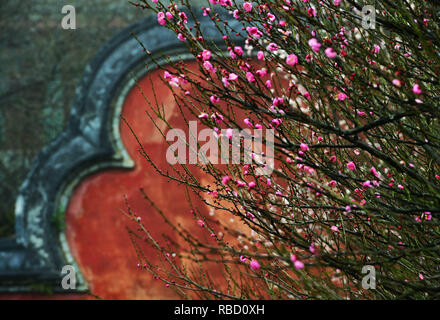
(41,64)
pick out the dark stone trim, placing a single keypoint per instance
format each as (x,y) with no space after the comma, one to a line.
(35,257)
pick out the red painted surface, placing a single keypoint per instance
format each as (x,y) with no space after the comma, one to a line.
(96,228)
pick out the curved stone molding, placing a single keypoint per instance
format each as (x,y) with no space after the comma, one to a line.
(89,143)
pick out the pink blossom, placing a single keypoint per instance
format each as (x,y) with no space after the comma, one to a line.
(374,172)
(167,75)
(416,89)
(272,47)
(252,185)
(260,55)
(241,184)
(232,77)
(225,82)
(332,183)
(208,66)
(330,53)
(376,49)
(304,147)
(254,32)
(229,133)
(342,96)
(306,94)
(238,50)
(203,116)
(271,17)
(351,166)
(262,72)
(250,77)
(298,265)
(161,18)
(292,59)
(247,6)
(254,265)
(214,99)
(311,12)
(316,46)
(276,122)
(337,2)
(181,37)
(367,184)
(334,228)
(201,223)
(243,259)
(277,101)
(226,3)
(225,180)
(268,84)
(397,82)
(206,54)
(183,16)
(174,81)
(427,215)
(248,122)
(250,216)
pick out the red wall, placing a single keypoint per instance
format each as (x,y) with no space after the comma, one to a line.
(96,229)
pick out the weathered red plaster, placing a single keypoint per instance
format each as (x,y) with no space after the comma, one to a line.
(96,228)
